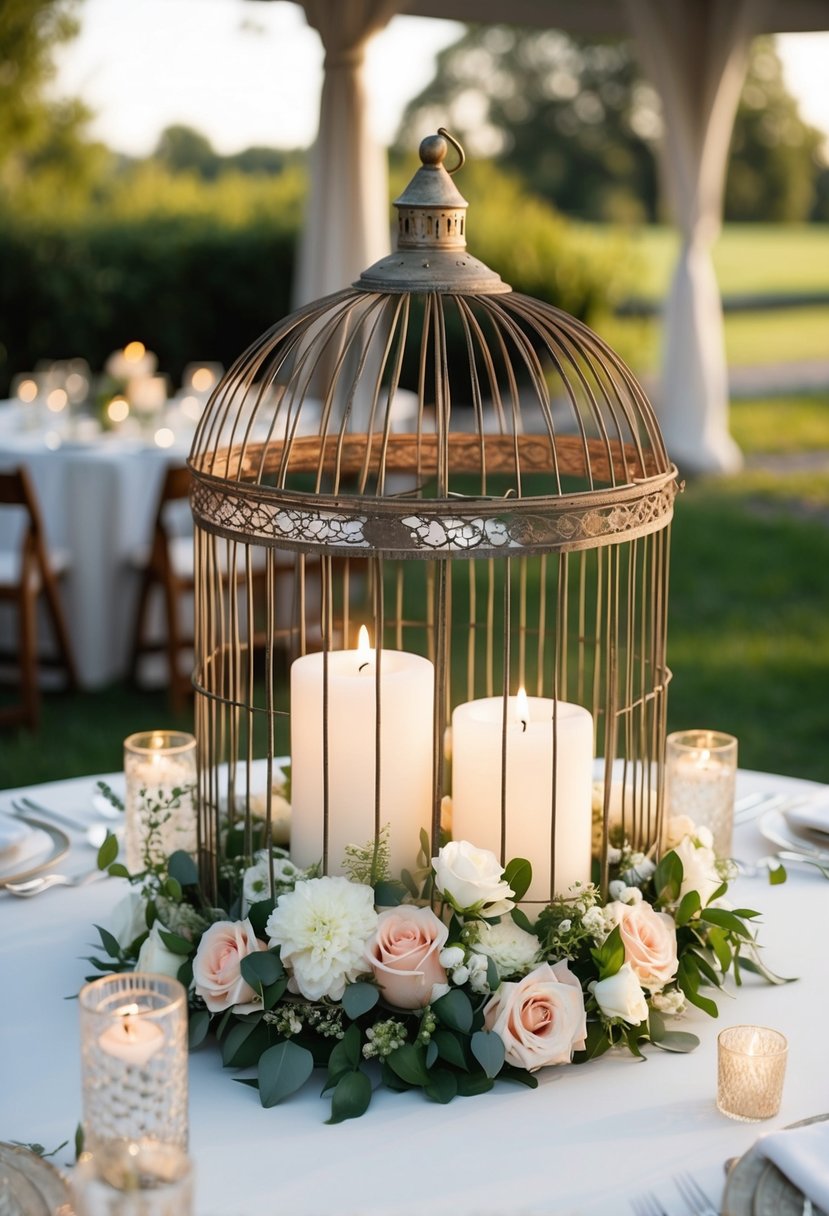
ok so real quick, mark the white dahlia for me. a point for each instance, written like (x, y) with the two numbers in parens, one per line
(322, 928)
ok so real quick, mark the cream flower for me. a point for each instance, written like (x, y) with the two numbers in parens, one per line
(541, 1019)
(649, 939)
(621, 996)
(322, 928)
(511, 948)
(471, 879)
(699, 869)
(154, 955)
(217, 967)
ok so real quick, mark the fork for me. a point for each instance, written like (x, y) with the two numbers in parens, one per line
(36, 886)
(25, 806)
(647, 1205)
(694, 1196)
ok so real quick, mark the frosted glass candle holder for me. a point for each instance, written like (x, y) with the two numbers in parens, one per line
(700, 776)
(160, 807)
(751, 1065)
(134, 1060)
(127, 1179)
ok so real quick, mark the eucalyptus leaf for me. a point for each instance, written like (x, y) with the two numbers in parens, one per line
(359, 998)
(725, 920)
(261, 968)
(351, 1097)
(454, 1010)
(182, 868)
(431, 1053)
(117, 870)
(197, 1027)
(667, 878)
(274, 993)
(510, 1073)
(519, 874)
(676, 1040)
(174, 943)
(450, 1048)
(523, 921)
(108, 851)
(283, 1070)
(389, 894)
(172, 889)
(345, 1056)
(109, 943)
(442, 1086)
(690, 905)
(244, 1044)
(488, 1050)
(259, 914)
(472, 1084)
(409, 1063)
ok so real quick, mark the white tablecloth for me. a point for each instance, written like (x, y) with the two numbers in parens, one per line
(98, 502)
(585, 1142)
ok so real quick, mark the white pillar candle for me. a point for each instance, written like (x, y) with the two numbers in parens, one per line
(157, 763)
(530, 772)
(131, 1038)
(406, 750)
(147, 394)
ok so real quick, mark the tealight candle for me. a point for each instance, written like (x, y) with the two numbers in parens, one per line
(700, 776)
(158, 820)
(134, 1060)
(133, 360)
(129, 1179)
(350, 730)
(131, 1038)
(751, 1066)
(549, 749)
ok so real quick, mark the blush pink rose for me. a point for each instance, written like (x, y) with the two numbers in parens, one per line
(403, 955)
(540, 1019)
(649, 938)
(217, 966)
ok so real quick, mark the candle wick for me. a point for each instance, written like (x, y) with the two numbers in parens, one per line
(362, 665)
(523, 724)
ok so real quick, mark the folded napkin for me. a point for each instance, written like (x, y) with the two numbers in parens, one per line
(813, 816)
(802, 1154)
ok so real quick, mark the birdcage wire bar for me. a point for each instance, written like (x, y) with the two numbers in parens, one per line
(478, 478)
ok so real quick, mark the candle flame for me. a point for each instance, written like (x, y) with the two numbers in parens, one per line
(522, 707)
(363, 649)
(703, 757)
(134, 351)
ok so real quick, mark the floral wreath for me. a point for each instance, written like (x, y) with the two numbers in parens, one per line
(439, 978)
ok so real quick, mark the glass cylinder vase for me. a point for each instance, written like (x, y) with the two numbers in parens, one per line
(128, 1179)
(160, 773)
(700, 778)
(134, 1060)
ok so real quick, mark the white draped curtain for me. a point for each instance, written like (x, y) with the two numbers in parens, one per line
(347, 215)
(696, 56)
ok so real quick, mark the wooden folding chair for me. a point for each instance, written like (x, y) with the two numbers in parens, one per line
(26, 573)
(170, 568)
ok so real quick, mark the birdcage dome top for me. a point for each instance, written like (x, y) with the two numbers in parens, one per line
(430, 409)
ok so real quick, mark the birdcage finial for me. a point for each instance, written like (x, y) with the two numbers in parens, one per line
(431, 234)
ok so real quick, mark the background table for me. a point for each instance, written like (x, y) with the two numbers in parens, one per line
(582, 1144)
(98, 500)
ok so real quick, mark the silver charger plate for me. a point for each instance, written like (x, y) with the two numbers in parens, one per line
(56, 847)
(30, 1186)
(755, 1187)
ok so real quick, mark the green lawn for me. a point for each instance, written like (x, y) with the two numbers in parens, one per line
(749, 259)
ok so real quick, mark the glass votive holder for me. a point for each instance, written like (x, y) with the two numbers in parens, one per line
(134, 1060)
(128, 1179)
(700, 776)
(160, 800)
(751, 1065)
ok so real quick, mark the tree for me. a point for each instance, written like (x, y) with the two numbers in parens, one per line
(182, 149)
(43, 143)
(580, 124)
(773, 169)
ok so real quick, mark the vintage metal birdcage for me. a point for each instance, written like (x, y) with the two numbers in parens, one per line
(477, 478)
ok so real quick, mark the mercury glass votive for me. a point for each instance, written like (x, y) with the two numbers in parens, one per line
(160, 810)
(751, 1065)
(134, 1060)
(128, 1179)
(700, 776)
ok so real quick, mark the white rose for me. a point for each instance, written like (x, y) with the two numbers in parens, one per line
(699, 870)
(511, 948)
(471, 879)
(678, 827)
(155, 957)
(621, 996)
(128, 919)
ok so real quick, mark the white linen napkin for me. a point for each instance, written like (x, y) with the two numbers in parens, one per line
(802, 1154)
(813, 816)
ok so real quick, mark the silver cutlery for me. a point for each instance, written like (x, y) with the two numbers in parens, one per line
(43, 882)
(94, 835)
(752, 869)
(799, 846)
(751, 806)
(647, 1205)
(27, 806)
(694, 1196)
